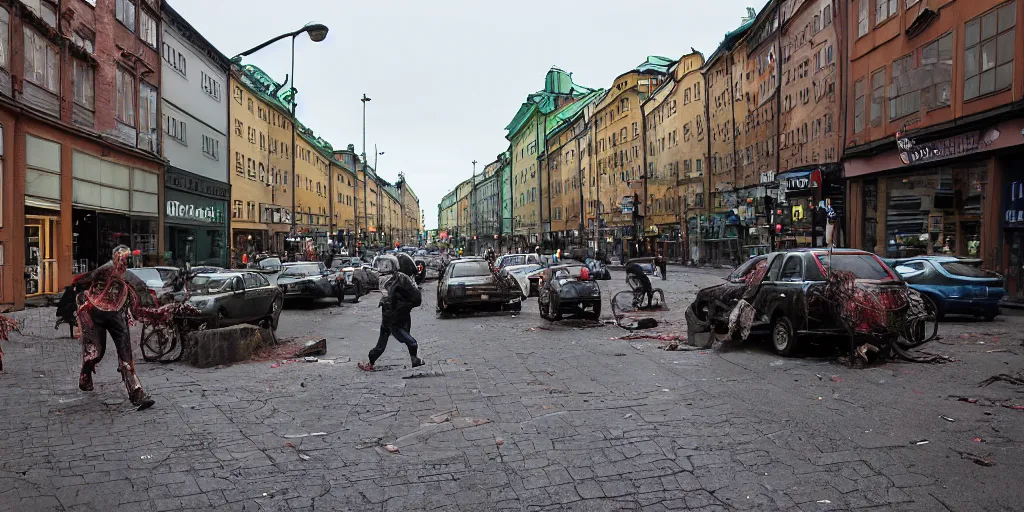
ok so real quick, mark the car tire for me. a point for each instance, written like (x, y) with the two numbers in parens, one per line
(543, 310)
(515, 307)
(218, 320)
(359, 291)
(597, 310)
(553, 312)
(275, 313)
(991, 316)
(784, 339)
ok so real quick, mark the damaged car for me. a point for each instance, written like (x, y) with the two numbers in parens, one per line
(564, 290)
(957, 286)
(470, 285)
(802, 294)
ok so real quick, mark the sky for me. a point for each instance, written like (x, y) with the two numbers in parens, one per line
(445, 77)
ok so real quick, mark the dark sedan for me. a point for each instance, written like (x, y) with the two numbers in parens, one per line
(230, 298)
(957, 286)
(469, 284)
(353, 277)
(306, 280)
(562, 291)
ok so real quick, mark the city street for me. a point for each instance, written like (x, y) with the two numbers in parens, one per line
(517, 413)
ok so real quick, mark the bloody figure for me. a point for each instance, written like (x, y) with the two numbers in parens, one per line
(400, 296)
(635, 270)
(111, 300)
(6, 326)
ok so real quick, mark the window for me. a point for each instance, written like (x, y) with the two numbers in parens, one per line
(42, 61)
(175, 129)
(862, 18)
(45, 9)
(624, 104)
(176, 60)
(877, 96)
(147, 116)
(125, 84)
(124, 10)
(84, 84)
(793, 270)
(147, 29)
(937, 60)
(826, 16)
(884, 9)
(211, 147)
(904, 99)
(858, 116)
(5, 38)
(210, 85)
(988, 54)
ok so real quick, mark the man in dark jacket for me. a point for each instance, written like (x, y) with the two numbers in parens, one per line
(400, 296)
(662, 264)
(635, 270)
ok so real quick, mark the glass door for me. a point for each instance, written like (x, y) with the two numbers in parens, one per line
(40, 255)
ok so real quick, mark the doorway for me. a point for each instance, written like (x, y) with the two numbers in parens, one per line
(40, 255)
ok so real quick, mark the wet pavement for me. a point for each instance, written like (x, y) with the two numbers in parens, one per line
(517, 413)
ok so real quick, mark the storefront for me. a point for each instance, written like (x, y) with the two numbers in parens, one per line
(1013, 226)
(195, 219)
(930, 197)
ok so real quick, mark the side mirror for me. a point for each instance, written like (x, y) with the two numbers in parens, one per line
(238, 292)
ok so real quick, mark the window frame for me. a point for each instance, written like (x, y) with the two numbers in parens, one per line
(120, 76)
(54, 52)
(121, 5)
(142, 16)
(979, 45)
(5, 43)
(892, 9)
(934, 86)
(882, 100)
(859, 110)
(863, 19)
(76, 66)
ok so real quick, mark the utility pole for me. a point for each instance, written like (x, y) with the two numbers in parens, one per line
(472, 210)
(366, 226)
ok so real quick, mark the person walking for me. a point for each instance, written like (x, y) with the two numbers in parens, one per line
(662, 266)
(400, 296)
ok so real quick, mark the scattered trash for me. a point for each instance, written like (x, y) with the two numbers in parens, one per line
(819, 398)
(919, 443)
(777, 362)
(303, 456)
(997, 350)
(627, 416)
(981, 461)
(145, 457)
(469, 422)
(968, 400)
(619, 354)
(665, 390)
(299, 436)
(312, 348)
(947, 418)
(499, 441)
(1012, 379)
(824, 501)
(369, 442)
(391, 448)
(311, 359)
(69, 400)
(818, 376)
(978, 440)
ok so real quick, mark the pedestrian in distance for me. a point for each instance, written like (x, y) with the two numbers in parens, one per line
(662, 266)
(400, 296)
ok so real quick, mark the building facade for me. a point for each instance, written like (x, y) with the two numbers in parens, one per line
(194, 105)
(313, 183)
(80, 165)
(934, 149)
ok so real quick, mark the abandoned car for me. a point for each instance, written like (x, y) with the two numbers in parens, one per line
(470, 285)
(957, 286)
(562, 290)
(794, 295)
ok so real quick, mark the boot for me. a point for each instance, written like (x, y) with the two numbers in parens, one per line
(136, 394)
(85, 378)
(415, 360)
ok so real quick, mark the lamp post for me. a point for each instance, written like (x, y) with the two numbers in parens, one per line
(472, 210)
(317, 33)
(366, 215)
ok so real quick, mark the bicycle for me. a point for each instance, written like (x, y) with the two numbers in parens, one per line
(168, 326)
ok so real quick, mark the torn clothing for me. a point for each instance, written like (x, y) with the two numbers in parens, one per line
(94, 345)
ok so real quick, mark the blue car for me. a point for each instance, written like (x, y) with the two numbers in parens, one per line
(957, 286)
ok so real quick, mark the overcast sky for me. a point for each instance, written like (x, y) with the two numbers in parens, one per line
(446, 76)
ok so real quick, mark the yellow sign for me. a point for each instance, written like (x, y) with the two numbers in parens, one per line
(798, 212)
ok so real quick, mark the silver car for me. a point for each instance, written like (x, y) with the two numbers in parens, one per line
(230, 298)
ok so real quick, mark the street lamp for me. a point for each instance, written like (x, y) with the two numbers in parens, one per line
(317, 33)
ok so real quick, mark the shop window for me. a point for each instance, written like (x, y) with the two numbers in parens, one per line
(989, 51)
(124, 11)
(42, 61)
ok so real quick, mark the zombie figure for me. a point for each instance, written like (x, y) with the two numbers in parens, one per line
(6, 326)
(635, 270)
(111, 300)
(399, 296)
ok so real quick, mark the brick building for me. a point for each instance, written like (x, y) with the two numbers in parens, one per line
(80, 165)
(935, 130)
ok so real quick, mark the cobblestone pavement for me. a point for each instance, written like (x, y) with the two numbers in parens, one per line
(514, 413)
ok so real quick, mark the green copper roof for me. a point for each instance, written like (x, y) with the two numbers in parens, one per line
(568, 114)
(655, 63)
(267, 88)
(556, 83)
(732, 37)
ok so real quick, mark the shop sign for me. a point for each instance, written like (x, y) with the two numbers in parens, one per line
(209, 214)
(767, 177)
(1013, 213)
(803, 181)
(964, 144)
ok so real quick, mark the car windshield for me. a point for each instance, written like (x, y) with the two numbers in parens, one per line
(270, 263)
(741, 272)
(209, 284)
(301, 270)
(152, 275)
(471, 269)
(863, 266)
(959, 268)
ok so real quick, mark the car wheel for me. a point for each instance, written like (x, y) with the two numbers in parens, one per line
(543, 310)
(783, 336)
(359, 292)
(218, 321)
(991, 316)
(515, 307)
(597, 310)
(553, 312)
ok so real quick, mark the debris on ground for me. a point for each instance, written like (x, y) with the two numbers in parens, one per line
(919, 443)
(300, 436)
(312, 348)
(499, 441)
(1017, 379)
(947, 418)
(391, 448)
(981, 461)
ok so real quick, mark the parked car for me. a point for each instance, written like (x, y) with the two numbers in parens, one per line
(306, 280)
(468, 284)
(957, 286)
(158, 280)
(562, 291)
(528, 277)
(648, 265)
(353, 277)
(267, 264)
(508, 260)
(597, 270)
(230, 298)
(421, 268)
(788, 301)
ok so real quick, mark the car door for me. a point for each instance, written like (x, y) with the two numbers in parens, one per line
(789, 291)
(766, 297)
(237, 305)
(256, 296)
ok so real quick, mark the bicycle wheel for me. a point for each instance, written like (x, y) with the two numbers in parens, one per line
(155, 344)
(176, 349)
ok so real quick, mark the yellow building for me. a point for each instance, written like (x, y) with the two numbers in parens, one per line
(618, 141)
(563, 164)
(412, 215)
(676, 147)
(259, 146)
(312, 190)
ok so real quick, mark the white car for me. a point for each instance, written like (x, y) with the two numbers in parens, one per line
(509, 260)
(527, 276)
